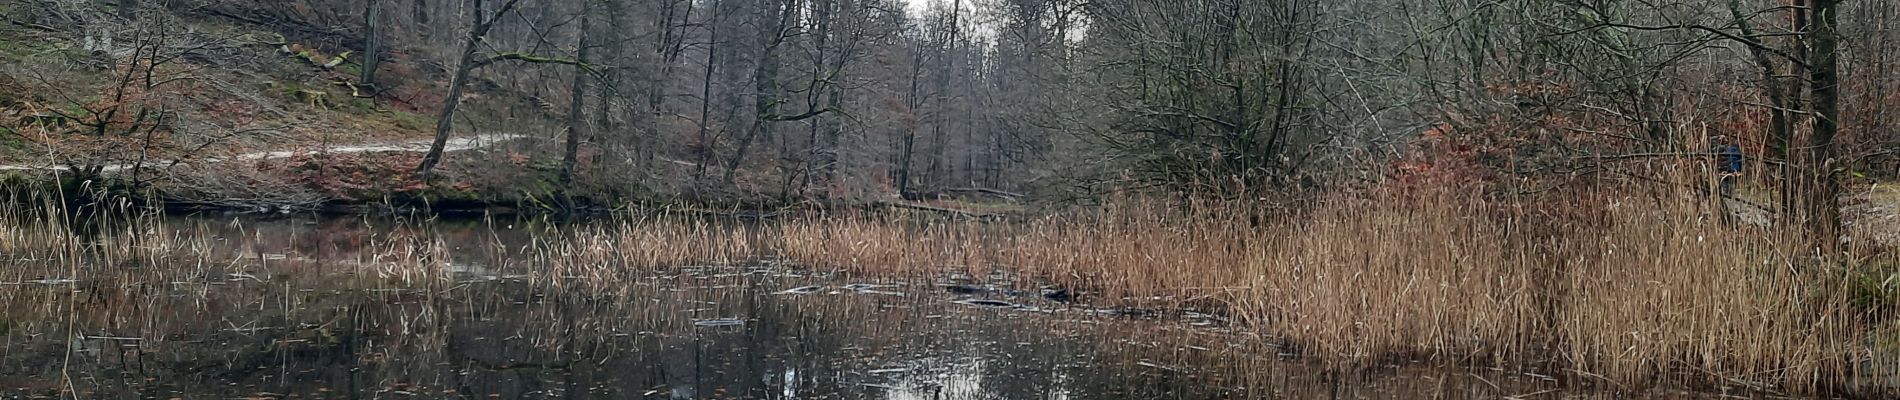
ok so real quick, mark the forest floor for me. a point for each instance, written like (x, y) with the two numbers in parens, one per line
(1870, 210)
(236, 93)
(1874, 212)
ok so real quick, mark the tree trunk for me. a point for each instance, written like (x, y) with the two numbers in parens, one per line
(668, 49)
(1824, 216)
(703, 139)
(129, 10)
(604, 111)
(914, 101)
(1781, 126)
(765, 80)
(830, 145)
(571, 155)
(948, 53)
(445, 120)
(372, 53)
(419, 15)
(1796, 183)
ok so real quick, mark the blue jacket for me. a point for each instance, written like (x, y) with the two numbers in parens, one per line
(1730, 157)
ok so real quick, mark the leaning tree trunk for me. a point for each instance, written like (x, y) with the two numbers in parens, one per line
(446, 119)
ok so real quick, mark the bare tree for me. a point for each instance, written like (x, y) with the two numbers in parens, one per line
(703, 140)
(780, 21)
(1824, 76)
(575, 120)
(482, 22)
(128, 9)
(372, 41)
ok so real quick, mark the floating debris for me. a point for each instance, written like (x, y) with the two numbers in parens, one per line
(1124, 312)
(1205, 316)
(1057, 295)
(988, 303)
(968, 289)
(802, 290)
(252, 329)
(1158, 366)
(719, 322)
(501, 278)
(1203, 319)
(866, 286)
(51, 281)
(112, 338)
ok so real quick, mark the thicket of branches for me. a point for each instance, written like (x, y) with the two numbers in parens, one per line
(864, 99)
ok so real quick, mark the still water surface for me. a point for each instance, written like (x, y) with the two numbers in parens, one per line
(308, 308)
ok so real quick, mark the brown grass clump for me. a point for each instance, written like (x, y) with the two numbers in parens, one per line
(864, 243)
(1139, 249)
(1659, 294)
(603, 257)
(1397, 275)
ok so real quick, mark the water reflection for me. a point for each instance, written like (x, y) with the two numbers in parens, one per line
(310, 309)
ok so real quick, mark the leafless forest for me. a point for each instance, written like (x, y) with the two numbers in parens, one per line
(1062, 99)
(1609, 197)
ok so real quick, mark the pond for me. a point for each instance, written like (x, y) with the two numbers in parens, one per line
(312, 307)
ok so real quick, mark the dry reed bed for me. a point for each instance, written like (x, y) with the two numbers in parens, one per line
(1628, 292)
(1662, 294)
(1366, 279)
(1624, 291)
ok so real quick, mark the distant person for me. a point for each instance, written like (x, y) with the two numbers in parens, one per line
(1729, 161)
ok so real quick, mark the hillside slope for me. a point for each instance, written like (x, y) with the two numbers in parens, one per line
(167, 106)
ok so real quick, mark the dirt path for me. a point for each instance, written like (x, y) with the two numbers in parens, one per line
(414, 146)
(1871, 211)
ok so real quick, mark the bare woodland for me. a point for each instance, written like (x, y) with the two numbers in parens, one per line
(1066, 99)
(1612, 195)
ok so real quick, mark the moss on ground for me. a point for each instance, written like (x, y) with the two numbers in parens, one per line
(412, 121)
(350, 69)
(358, 105)
(11, 142)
